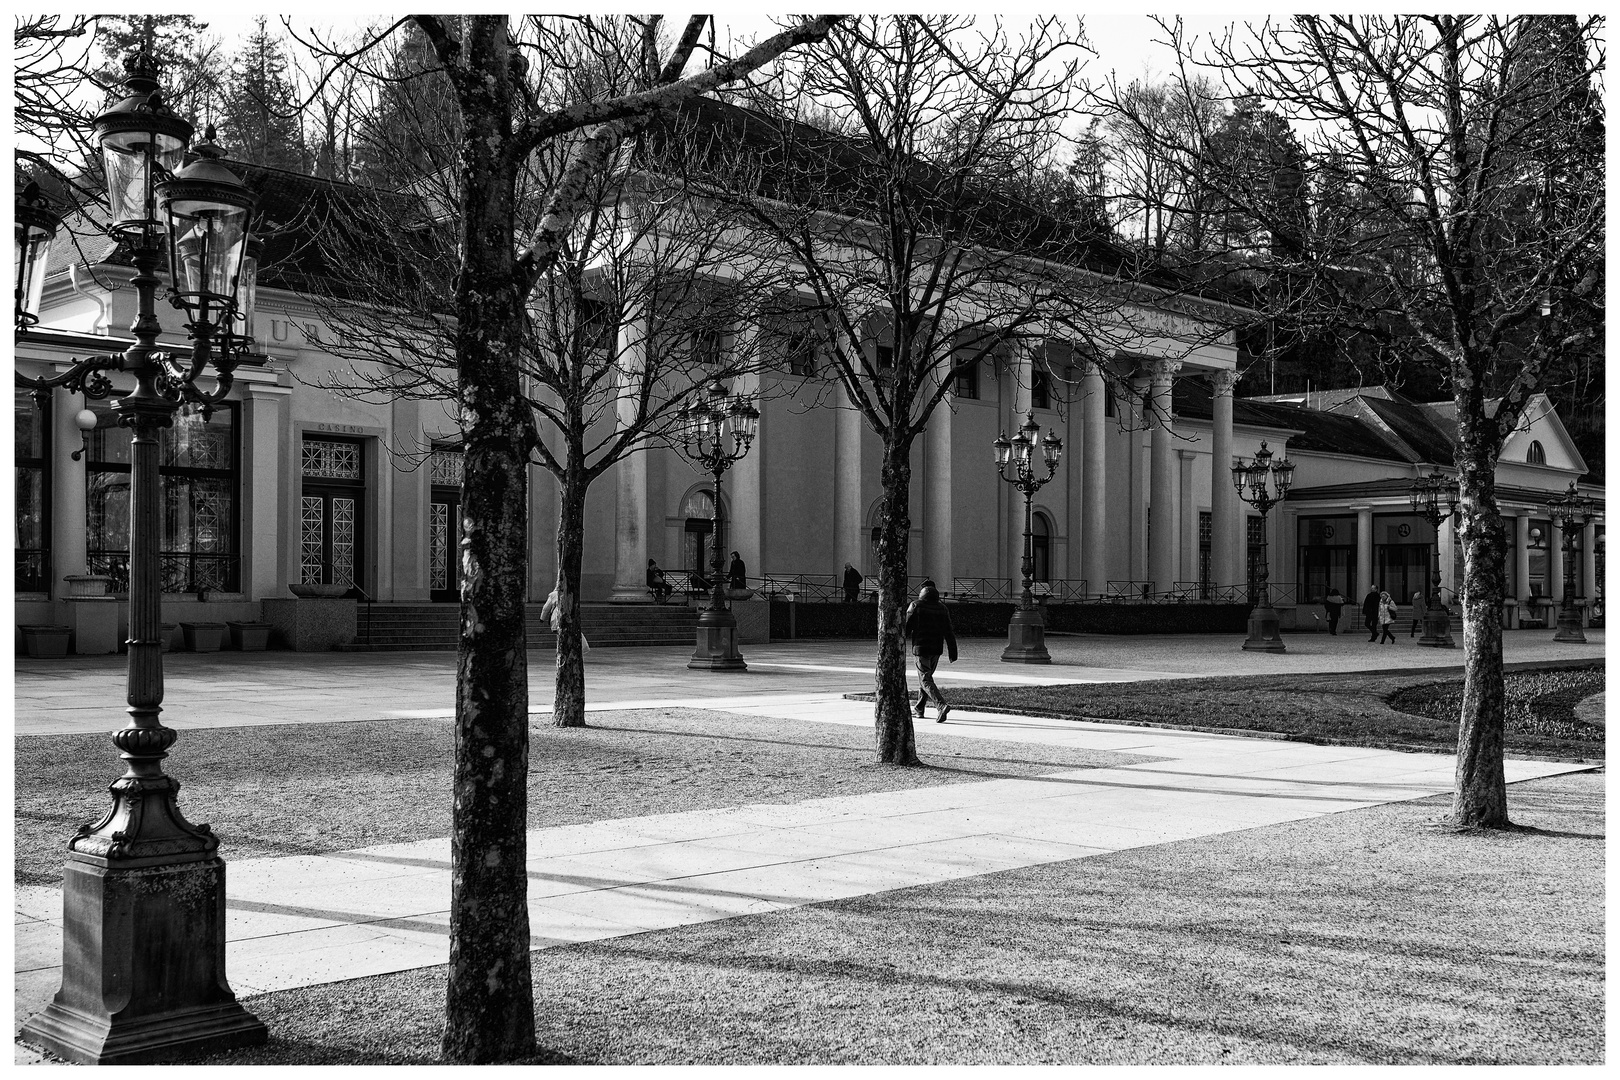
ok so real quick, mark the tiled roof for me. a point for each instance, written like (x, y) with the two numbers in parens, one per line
(1416, 426)
(1327, 432)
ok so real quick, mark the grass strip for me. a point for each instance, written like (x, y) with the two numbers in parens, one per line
(312, 788)
(1369, 936)
(1352, 709)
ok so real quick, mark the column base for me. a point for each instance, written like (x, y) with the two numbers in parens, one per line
(1264, 632)
(1437, 628)
(1026, 639)
(143, 976)
(1569, 625)
(717, 643)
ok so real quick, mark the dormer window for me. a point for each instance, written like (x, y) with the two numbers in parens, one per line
(1537, 454)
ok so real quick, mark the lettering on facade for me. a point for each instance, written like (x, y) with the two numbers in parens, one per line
(345, 429)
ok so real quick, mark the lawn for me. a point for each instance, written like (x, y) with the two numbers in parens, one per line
(1403, 711)
(304, 789)
(1369, 936)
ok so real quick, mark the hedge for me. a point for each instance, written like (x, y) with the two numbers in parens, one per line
(789, 620)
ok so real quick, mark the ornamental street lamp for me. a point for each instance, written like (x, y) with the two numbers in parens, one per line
(710, 425)
(1434, 498)
(1026, 633)
(1251, 481)
(36, 226)
(143, 973)
(1571, 512)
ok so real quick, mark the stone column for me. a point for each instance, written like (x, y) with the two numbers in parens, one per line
(1138, 475)
(1521, 564)
(264, 427)
(1447, 546)
(630, 476)
(1555, 563)
(1587, 575)
(68, 505)
(1226, 559)
(849, 504)
(1364, 552)
(1023, 376)
(1162, 533)
(1094, 480)
(1187, 511)
(938, 553)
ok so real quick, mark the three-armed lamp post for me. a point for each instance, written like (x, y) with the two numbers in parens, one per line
(1571, 512)
(1434, 498)
(718, 432)
(143, 897)
(1026, 633)
(1263, 483)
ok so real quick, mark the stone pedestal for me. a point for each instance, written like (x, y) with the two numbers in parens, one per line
(1265, 631)
(1026, 638)
(717, 643)
(311, 625)
(1437, 627)
(94, 622)
(144, 979)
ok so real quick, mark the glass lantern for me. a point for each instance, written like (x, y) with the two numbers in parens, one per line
(1051, 449)
(142, 141)
(207, 209)
(36, 226)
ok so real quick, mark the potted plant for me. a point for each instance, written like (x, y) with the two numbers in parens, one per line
(203, 636)
(46, 642)
(249, 636)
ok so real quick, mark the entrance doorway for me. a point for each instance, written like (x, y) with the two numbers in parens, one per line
(444, 524)
(331, 512)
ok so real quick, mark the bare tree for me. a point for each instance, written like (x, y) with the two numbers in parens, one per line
(1467, 154)
(899, 211)
(504, 85)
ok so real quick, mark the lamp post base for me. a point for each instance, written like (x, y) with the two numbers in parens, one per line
(717, 643)
(1264, 632)
(1569, 625)
(1026, 639)
(1437, 628)
(144, 977)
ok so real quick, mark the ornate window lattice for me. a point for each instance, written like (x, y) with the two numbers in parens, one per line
(439, 545)
(444, 468)
(343, 541)
(313, 530)
(331, 460)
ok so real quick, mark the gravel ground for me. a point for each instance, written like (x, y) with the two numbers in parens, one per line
(1539, 703)
(311, 788)
(1370, 936)
(1353, 708)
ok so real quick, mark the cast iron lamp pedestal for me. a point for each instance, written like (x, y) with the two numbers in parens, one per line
(1427, 495)
(143, 897)
(1026, 632)
(707, 426)
(1264, 632)
(1570, 512)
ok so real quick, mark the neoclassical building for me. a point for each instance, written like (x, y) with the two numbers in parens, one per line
(290, 483)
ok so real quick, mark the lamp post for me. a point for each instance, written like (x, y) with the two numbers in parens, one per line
(709, 426)
(143, 897)
(36, 226)
(1434, 498)
(1263, 483)
(1570, 512)
(1026, 633)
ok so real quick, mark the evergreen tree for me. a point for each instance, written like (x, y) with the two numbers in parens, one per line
(259, 115)
(189, 63)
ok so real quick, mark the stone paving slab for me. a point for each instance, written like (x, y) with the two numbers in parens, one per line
(309, 919)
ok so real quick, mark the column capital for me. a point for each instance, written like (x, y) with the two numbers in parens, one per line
(1222, 382)
(1162, 371)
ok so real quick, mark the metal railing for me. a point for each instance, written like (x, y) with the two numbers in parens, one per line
(178, 572)
(828, 588)
(33, 571)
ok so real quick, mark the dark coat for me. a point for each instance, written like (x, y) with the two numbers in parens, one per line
(928, 626)
(1334, 603)
(852, 578)
(1369, 608)
(738, 574)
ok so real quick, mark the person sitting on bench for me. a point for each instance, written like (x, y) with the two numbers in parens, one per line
(656, 583)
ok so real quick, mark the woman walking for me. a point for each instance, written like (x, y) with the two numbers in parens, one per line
(1386, 618)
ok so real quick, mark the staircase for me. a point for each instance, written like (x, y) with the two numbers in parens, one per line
(436, 627)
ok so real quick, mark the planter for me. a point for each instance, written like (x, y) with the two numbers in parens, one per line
(319, 592)
(45, 642)
(203, 636)
(81, 585)
(250, 636)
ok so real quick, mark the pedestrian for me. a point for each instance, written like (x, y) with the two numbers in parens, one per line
(852, 584)
(552, 610)
(1369, 614)
(1386, 618)
(657, 584)
(1334, 602)
(928, 628)
(1419, 608)
(738, 573)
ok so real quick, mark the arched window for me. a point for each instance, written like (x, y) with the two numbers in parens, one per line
(1536, 455)
(697, 540)
(1040, 543)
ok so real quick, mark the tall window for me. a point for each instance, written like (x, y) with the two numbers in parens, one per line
(1541, 535)
(967, 381)
(885, 361)
(33, 529)
(1327, 557)
(801, 355)
(697, 542)
(199, 476)
(1536, 455)
(1206, 532)
(1040, 390)
(1040, 545)
(1257, 546)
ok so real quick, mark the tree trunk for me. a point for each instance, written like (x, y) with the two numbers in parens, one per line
(1480, 800)
(489, 1002)
(896, 737)
(569, 707)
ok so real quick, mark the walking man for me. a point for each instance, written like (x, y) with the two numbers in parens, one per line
(1334, 602)
(928, 628)
(852, 584)
(1369, 613)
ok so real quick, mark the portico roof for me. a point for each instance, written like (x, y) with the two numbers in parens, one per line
(1397, 487)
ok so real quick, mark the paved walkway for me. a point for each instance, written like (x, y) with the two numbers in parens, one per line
(312, 919)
